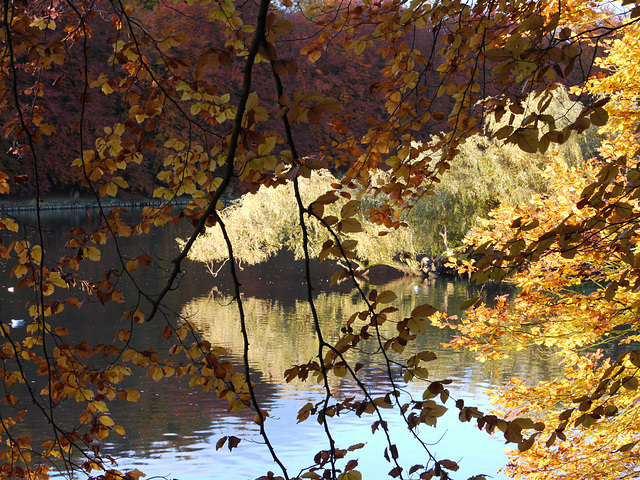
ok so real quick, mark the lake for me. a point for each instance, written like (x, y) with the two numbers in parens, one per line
(173, 430)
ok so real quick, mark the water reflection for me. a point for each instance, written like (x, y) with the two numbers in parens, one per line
(282, 336)
(273, 324)
(173, 430)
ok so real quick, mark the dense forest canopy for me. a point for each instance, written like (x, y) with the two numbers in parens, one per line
(202, 101)
(353, 80)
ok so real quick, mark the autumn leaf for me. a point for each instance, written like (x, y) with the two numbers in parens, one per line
(425, 310)
(387, 296)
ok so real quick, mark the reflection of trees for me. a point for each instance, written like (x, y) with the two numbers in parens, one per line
(282, 335)
(166, 418)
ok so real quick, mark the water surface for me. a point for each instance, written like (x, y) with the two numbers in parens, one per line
(173, 431)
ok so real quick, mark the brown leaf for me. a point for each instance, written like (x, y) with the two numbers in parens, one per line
(449, 465)
(513, 433)
(424, 310)
(396, 472)
(233, 442)
(220, 443)
(528, 443)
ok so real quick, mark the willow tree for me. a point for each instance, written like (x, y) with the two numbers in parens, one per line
(487, 172)
(263, 224)
(189, 108)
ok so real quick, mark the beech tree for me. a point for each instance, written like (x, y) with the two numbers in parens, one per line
(573, 254)
(190, 107)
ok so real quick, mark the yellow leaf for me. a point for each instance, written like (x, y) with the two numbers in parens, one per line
(386, 297)
(47, 289)
(132, 395)
(267, 147)
(119, 181)
(138, 316)
(56, 279)
(92, 253)
(111, 189)
(107, 421)
(117, 296)
(85, 395)
(36, 254)
(132, 265)
(128, 355)
(106, 89)
(157, 374)
(47, 130)
(315, 56)
(11, 224)
(98, 405)
(20, 270)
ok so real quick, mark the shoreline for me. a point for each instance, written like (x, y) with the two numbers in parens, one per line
(84, 205)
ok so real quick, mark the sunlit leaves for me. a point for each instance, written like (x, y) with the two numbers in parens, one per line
(4, 185)
(583, 252)
(130, 395)
(181, 113)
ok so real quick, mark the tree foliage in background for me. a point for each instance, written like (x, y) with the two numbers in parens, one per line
(264, 223)
(487, 172)
(188, 108)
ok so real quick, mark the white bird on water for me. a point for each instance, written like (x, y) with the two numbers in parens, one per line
(11, 289)
(17, 322)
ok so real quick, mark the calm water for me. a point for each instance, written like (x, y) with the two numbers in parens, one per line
(173, 430)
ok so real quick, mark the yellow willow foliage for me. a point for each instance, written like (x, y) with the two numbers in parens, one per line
(262, 224)
(266, 221)
(488, 171)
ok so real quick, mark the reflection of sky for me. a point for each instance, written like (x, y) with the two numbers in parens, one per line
(297, 444)
(193, 455)
(174, 429)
